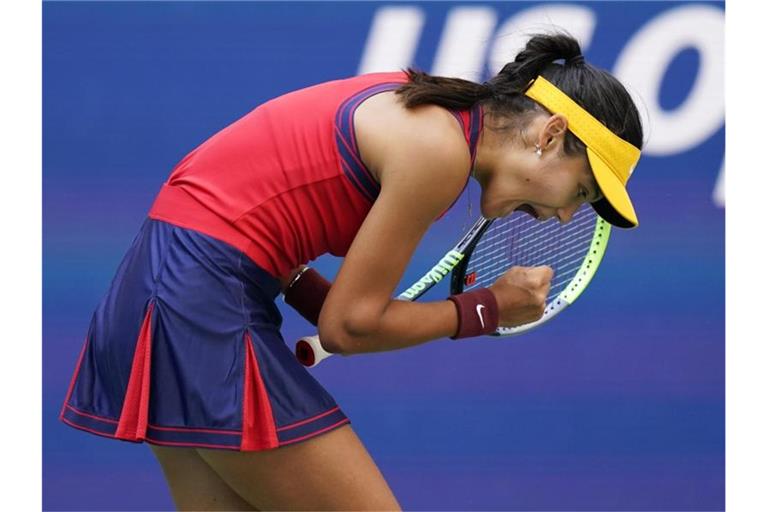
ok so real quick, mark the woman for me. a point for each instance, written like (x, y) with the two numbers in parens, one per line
(185, 353)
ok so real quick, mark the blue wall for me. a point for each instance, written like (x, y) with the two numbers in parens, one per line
(617, 405)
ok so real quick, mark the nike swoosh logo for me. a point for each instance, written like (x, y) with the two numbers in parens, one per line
(479, 310)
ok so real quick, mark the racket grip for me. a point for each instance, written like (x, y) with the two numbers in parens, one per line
(310, 352)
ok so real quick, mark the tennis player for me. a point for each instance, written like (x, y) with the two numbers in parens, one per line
(185, 350)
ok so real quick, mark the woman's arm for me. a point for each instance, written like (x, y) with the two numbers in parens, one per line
(422, 163)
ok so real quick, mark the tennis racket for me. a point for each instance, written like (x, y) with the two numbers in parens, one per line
(492, 246)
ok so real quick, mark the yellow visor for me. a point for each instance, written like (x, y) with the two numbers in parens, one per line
(612, 158)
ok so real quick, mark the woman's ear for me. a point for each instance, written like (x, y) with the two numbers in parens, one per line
(554, 130)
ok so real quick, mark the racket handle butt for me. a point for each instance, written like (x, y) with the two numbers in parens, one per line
(310, 352)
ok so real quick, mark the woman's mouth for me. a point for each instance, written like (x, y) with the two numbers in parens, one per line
(530, 210)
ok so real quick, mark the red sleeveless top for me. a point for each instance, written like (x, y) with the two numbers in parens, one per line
(285, 183)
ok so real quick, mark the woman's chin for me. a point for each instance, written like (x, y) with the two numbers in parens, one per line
(489, 213)
(491, 209)
(497, 211)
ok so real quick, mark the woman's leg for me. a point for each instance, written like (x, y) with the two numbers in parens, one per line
(332, 471)
(194, 485)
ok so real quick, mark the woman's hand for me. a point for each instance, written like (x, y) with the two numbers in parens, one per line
(521, 294)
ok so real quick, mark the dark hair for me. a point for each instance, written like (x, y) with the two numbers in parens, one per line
(556, 57)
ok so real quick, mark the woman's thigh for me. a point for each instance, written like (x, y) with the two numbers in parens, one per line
(194, 484)
(332, 471)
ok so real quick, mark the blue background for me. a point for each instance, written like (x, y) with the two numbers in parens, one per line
(618, 405)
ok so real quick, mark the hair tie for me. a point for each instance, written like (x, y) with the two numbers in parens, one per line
(488, 90)
(576, 60)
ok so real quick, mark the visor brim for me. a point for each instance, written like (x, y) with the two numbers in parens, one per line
(615, 206)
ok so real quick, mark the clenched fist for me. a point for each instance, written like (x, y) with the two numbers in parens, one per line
(521, 293)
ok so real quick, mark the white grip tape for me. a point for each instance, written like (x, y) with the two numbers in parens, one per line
(310, 352)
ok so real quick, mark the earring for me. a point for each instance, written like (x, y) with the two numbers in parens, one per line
(538, 150)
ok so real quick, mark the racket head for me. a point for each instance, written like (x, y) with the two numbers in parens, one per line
(574, 251)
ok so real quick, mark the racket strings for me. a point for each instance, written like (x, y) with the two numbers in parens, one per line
(520, 240)
(497, 238)
(539, 248)
(532, 250)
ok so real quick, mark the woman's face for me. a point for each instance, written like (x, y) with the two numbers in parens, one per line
(514, 177)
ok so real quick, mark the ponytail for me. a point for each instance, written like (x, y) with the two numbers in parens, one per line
(539, 57)
(451, 93)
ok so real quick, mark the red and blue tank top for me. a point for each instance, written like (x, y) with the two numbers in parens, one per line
(285, 184)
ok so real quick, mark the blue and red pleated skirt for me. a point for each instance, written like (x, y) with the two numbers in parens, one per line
(185, 350)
